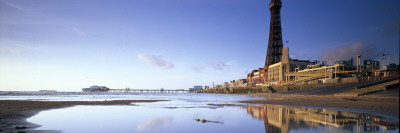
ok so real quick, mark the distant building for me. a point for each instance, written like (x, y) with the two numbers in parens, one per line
(225, 84)
(206, 87)
(387, 72)
(369, 67)
(346, 62)
(241, 82)
(232, 83)
(48, 90)
(95, 88)
(257, 76)
(196, 89)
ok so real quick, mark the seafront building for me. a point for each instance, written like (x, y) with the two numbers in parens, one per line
(278, 72)
(389, 70)
(196, 89)
(280, 68)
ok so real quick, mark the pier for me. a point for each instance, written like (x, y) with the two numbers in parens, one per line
(150, 90)
(143, 90)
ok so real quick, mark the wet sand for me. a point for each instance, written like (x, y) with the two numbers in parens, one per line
(13, 113)
(381, 103)
(385, 103)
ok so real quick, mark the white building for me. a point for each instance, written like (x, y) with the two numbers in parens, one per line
(96, 88)
(196, 89)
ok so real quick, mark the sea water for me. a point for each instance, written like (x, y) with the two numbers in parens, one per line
(196, 113)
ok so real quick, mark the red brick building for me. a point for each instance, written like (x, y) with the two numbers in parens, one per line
(257, 76)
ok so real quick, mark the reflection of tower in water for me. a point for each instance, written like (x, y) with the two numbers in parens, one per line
(279, 119)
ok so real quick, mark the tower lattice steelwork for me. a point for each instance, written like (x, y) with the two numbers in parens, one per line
(275, 44)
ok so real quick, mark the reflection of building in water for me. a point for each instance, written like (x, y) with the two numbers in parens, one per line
(275, 119)
(278, 119)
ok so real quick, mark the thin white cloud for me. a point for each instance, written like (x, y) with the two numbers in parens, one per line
(9, 50)
(18, 46)
(155, 60)
(219, 66)
(196, 69)
(80, 32)
(15, 6)
(154, 124)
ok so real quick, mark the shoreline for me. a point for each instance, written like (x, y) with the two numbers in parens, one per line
(14, 113)
(377, 105)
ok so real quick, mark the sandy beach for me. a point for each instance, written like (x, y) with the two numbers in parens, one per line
(13, 113)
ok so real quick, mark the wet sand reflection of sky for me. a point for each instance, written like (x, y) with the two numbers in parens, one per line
(155, 117)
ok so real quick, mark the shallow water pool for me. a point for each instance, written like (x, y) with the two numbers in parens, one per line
(200, 116)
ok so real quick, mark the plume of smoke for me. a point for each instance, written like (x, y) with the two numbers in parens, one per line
(296, 55)
(346, 52)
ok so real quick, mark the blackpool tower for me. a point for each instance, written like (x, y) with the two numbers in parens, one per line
(274, 51)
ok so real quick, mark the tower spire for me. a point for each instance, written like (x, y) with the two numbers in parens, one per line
(274, 51)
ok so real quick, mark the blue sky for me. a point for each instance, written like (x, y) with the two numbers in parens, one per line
(175, 44)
